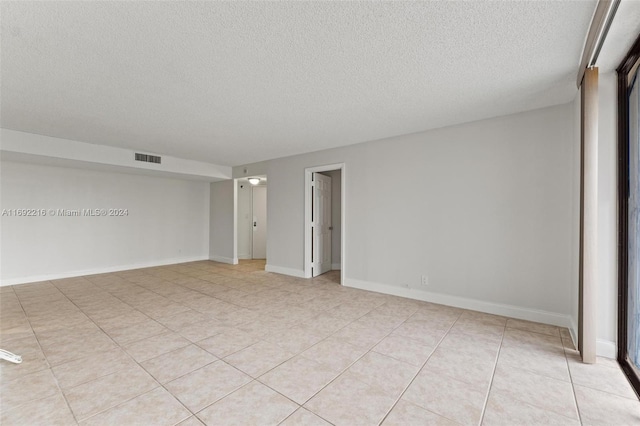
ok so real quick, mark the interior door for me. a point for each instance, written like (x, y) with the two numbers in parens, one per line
(259, 222)
(321, 224)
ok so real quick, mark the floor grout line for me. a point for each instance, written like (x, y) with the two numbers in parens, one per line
(117, 371)
(495, 366)
(45, 355)
(420, 370)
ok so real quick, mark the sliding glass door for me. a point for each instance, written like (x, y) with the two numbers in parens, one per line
(629, 184)
(633, 237)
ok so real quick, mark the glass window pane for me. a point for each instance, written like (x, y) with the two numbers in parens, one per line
(633, 308)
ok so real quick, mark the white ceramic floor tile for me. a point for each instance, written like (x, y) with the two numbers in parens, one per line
(404, 413)
(235, 342)
(252, 404)
(505, 410)
(348, 401)
(298, 378)
(602, 408)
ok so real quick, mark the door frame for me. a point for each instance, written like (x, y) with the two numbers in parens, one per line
(308, 171)
(237, 182)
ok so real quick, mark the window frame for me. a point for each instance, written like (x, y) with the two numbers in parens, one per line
(628, 67)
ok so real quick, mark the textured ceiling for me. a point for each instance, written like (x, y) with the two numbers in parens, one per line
(623, 32)
(237, 82)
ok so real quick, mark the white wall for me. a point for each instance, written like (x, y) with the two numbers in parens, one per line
(167, 222)
(222, 224)
(607, 215)
(245, 230)
(484, 209)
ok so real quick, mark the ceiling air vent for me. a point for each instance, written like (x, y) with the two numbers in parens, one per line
(148, 158)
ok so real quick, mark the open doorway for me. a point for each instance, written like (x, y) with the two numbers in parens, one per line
(252, 218)
(324, 221)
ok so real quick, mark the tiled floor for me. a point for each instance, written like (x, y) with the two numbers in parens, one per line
(218, 344)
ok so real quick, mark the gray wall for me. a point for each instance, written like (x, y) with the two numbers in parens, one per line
(222, 241)
(167, 221)
(484, 209)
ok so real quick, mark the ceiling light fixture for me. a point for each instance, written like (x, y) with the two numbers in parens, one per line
(254, 181)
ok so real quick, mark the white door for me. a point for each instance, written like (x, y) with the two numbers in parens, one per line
(259, 222)
(321, 224)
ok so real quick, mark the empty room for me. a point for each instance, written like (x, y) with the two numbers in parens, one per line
(320, 213)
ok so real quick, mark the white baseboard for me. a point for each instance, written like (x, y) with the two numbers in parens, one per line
(222, 259)
(285, 271)
(606, 349)
(336, 266)
(94, 271)
(511, 311)
(244, 256)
